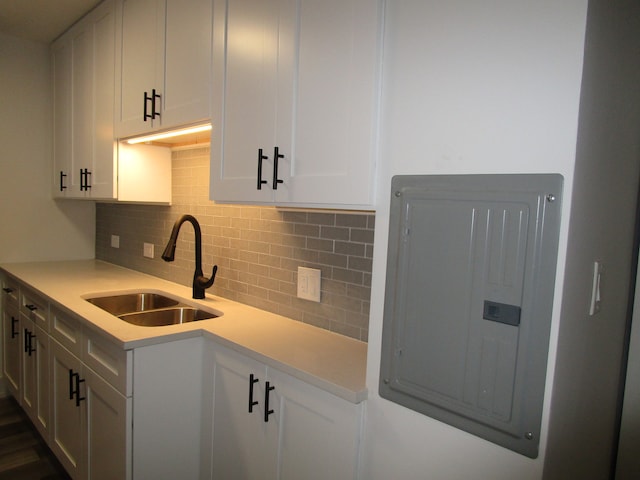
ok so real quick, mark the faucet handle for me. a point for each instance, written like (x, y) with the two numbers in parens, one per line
(207, 282)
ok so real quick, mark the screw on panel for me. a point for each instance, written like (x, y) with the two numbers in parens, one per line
(528, 435)
(398, 193)
(551, 198)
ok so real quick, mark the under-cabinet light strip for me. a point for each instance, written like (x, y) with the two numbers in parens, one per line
(172, 133)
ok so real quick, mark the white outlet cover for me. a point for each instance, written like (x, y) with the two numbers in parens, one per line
(309, 283)
(115, 241)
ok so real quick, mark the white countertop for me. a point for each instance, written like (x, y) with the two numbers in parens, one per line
(328, 360)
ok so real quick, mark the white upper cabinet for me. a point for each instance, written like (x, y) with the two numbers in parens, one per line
(296, 92)
(163, 69)
(83, 93)
(88, 162)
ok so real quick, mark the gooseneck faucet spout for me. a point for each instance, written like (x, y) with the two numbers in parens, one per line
(200, 282)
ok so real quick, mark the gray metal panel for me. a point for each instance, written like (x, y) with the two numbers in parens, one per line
(457, 244)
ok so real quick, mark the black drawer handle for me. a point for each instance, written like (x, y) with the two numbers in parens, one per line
(31, 307)
(7, 290)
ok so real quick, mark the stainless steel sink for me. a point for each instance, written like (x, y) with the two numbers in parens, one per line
(132, 302)
(150, 309)
(167, 316)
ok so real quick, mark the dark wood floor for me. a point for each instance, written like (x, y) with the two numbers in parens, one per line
(23, 453)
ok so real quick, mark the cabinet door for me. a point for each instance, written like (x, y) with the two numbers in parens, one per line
(241, 445)
(102, 165)
(283, 79)
(62, 87)
(245, 83)
(140, 63)
(330, 102)
(187, 63)
(108, 430)
(166, 47)
(319, 433)
(84, 66)
(35, 378)
(42, 410)
(11, 351)
(67, 418)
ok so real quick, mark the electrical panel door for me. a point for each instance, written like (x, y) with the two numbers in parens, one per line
(469, 292)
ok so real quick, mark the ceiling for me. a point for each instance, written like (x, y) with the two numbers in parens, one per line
(41, 20)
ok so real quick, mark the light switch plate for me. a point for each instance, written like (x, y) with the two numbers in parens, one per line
(115, 241)
(594, 305)
(309, 283)
(148, 250)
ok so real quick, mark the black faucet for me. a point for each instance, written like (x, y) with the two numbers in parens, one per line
(200, 282)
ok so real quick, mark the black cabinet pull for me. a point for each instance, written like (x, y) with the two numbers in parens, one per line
(78, 382)
(150, 98)
(154, 113)
(7, 290)
(252, 403)
(84, 180)
(63, 175)
(31, 307)
(276, 156)
(267, 412)
(261, 157)
(145, 114)
(71, 389)
(74, 386)
(28, 342)
(14, 332)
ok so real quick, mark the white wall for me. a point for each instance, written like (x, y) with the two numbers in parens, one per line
(34, 227)
(584, 410)
(469, 87)
(628, 467)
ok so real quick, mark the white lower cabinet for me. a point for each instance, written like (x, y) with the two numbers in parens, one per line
(35, 374)
(11, 353)
(202, 410)
(90, 427)
(167, 425)
(270, 425)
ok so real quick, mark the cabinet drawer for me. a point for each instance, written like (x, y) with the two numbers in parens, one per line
(10, 292)
(35, 308)
(109, 361)
(67, 331)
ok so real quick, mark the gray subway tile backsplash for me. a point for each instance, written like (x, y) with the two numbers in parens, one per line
(257, 249)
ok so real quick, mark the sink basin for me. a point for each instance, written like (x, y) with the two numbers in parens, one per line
(132, 302)
(167, 316)
(149, 309)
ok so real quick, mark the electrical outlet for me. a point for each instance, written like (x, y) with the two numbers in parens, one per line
(148, 250)
(309, 280)
(115, 241)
